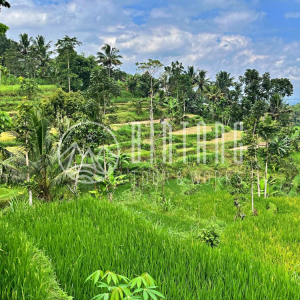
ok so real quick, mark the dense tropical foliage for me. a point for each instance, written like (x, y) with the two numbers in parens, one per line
(194, 179)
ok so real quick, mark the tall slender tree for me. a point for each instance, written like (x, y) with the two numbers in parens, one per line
(213, 94)
(109, 57)
(267, 131)
(65, 48)
(25, 129)
(41, 49)
(25, 47)
(25, 43)
(201, 81)
(224, 81)
(151, 67)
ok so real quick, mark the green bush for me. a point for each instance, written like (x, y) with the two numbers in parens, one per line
(211, 234)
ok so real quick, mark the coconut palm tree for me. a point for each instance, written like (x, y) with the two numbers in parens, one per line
(278, 109)
(213, 94)
(25, 47)
(41, 49)
(191, 73)
(25, 43)
(224, 81)
(201, 81)
(109, 57)
(4, 3)
(39, 159)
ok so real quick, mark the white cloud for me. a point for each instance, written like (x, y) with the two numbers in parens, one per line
(159, 13)
(248, 57)
(292, 15)
(293, 73)
(133, 12)
(177, 31)
(32, 18)
(237, 20)
(234, 42)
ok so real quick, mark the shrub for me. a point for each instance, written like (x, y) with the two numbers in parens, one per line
(271, 207)
(211, 234)
(119, 287)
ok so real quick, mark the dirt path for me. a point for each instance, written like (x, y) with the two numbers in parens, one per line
(136, 122)
(260, 145)
(148, 121)
(227, 137)
(192, 130)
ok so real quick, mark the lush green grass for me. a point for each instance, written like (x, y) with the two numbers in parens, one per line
(273, 238)
(84, 235)
(130, 116)
(26, 273)
(258, 258)
(13, 90)
(6, 194)
(10, 97)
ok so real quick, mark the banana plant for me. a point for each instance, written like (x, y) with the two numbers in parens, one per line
(172, 106)
(4, 71)
(123, 161)
(108, 184)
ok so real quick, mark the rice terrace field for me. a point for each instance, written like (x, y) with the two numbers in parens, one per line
(125, 177)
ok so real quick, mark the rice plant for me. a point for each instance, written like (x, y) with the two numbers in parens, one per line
(88, 234)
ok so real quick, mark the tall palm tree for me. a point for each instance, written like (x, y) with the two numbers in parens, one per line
(109, 57)
(191, 73)
(213, 94)
(25, 43)
(42, 49)
(201, 81)
(278, 109)
(25, 47)
(4, 3)
(224, 81)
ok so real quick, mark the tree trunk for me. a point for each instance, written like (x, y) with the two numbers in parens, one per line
(28, 178)
(78, 175)
(266, 172)
(151, 124)
(28, 174)
(69, 78)
(252, 192)
(104, 162)
(256, 161)
(104, 106)
(257, 176)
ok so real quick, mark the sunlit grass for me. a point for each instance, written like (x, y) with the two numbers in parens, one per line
(84, 235)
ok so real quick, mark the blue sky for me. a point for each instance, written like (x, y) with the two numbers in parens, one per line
(214, 35)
